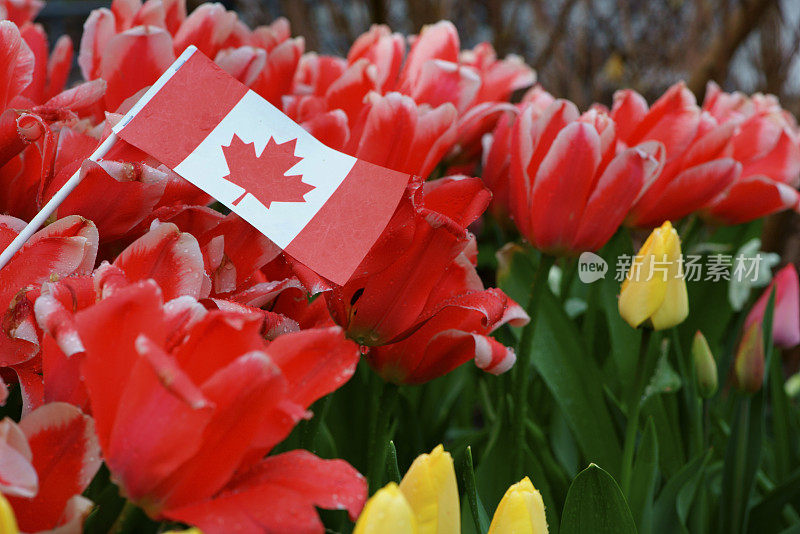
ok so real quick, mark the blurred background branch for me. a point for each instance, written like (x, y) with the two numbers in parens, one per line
(583, 50)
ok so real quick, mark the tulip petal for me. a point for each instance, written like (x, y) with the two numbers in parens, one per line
(689, 191)
(115, 195)
(17, 63)
(753, 197)
(435, 41)
(98, 30)
(157, 399)
(562, 186)
(786, 315)
(17, 475)
(387, 512)
(644, 288)
(461, 198)
(348, 91)
(430, 488)
(293, 483)
(168, 256)
(615, 191)
(315, 362)
(134, 59)
(251, 381)
(66, 457)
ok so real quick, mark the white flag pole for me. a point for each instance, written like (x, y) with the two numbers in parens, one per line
(53, 203)
(101, 151)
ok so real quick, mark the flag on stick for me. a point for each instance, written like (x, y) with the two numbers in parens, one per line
(324, 208)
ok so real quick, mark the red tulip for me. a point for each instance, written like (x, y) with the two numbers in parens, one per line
(397, 133)
(383, 49)
(499, 78)
(20, 11)
(456, 333)
(786, 315)
(568, 187)
(766, 144)
(167, 389)
(497, 150)
(419, 280)
(46, 462)
(474, 81)
(152, 34)
(175, 260)
(66, 247)
(698, 166)
(210, 28)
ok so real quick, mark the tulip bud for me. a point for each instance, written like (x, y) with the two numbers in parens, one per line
(387, 512)
(654, 291)
(431, 490)
(748, 366)
(705, 367)
(521, 511)
(8, 523)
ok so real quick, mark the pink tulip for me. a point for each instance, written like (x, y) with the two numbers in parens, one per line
(786, 317)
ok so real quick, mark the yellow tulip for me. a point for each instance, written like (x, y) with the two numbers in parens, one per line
(431, 490)
(193, 530)
(8, 523)
(654, 290)
(521, 511)
(387, 512)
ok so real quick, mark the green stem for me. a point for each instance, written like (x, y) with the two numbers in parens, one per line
(524, 360)
(590, 317)
(125, 516)
(567, 276)
(741, 438)
(634, 407)
(379, 444)
(694, 404)
(694, 414)
(312, 427)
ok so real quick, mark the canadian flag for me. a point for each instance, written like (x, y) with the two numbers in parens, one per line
(324, 208)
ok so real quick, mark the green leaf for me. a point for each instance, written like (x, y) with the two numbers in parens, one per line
(784, 445)
(595, 505)
(624, 339)
(479, 517)
(391, 464)
(666, 516)
(644, 479)
(671, 455)
(766, 515)
(664, 379)
(575, 383)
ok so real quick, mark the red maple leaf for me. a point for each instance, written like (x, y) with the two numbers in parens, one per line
(263, 176)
